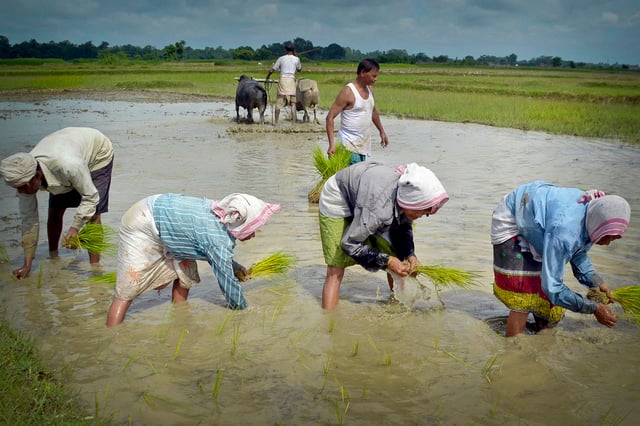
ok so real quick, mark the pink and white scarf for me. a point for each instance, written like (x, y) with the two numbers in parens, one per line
(607, 215)
(243, 214)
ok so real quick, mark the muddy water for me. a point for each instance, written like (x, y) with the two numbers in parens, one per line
(284, 360)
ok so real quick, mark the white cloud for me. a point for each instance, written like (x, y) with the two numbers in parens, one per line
(610, 18)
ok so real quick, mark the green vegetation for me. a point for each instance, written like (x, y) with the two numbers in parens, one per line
(32, 395)
(580, 102)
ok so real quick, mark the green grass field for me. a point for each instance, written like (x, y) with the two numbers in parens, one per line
(590, 103)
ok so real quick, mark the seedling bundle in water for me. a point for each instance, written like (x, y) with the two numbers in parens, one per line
(443, 276)
(108, 278)
(327, 167)
(95, 238)
(278, 263)
(627, 297)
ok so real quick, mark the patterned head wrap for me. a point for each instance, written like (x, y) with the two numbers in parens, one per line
(243, 214)
(607, 215)
(18, 169)
(420, 189)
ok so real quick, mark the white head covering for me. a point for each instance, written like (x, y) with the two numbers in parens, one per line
(18, 169)
(243, 214)
(420, 189)
(607, 215)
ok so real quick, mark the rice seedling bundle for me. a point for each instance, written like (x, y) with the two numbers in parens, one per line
(629, 299)
(277, 263)
(327, 167)
(443, 276)
(95, 238)
(108, 278)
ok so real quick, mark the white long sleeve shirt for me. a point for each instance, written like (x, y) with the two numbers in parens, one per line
(67, 157)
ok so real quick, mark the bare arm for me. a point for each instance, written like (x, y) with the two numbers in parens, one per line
(375, 117)
(344, 100)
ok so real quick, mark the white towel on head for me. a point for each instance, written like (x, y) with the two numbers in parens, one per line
(18, 169)
(420, 189)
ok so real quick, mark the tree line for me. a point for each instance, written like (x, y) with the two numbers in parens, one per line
(179, 51)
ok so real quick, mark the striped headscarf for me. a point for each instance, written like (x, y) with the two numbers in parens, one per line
(420, 189)
(607, 215)
(243, 214)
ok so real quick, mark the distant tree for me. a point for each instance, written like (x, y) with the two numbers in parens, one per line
(556, 61)
(441, 59)
(150, 53)
(5, 47)
(468, 60)
(263, 53)
(302, 45)
(180, 49)
(352, 55)
(395, 56)
(244, 52)
(512, 59)
(169, 52)
(87, 50)
(333, 51)
(422, 58)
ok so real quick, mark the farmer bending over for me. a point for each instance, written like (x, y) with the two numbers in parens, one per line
(366, 216)
(535, 231)
(74, 165)
(162, 236)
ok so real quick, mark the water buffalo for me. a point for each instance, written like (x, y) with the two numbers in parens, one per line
(249, 95)
(307, 96)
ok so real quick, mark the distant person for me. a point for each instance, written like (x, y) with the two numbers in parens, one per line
(162, 236)
(357, 110)
(287, 64)
(74, 165)
(535, 231)
(366, 216)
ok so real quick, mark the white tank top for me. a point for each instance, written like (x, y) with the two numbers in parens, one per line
(355, 123)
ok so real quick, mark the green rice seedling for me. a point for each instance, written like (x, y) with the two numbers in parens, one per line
(153, 367)
(95, 238)
(629, 298)
(332, 325)
(610, 419)
(327, 167)
(107, 278)
(179, 344)
(487, 367)
(234, 339)
(40, 269)
(443, 276)
(326, 366)
(387, 359)
(224, 323)
(4, 257)
(278, 263)
(151, 399)
(216, 387)
(356, 348)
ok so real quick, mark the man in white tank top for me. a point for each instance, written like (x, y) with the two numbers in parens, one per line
(357, 110)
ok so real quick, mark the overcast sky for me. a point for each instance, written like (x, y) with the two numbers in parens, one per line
(580, 30)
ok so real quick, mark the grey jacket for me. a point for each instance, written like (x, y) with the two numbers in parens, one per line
(370, 190)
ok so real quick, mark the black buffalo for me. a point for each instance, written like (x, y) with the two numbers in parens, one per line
(249, 95)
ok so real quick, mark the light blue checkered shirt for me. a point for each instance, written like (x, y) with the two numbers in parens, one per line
(190, 230)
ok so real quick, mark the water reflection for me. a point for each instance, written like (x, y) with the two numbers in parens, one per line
(284, 360)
